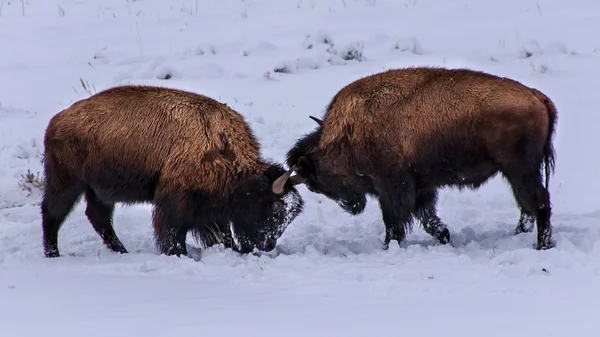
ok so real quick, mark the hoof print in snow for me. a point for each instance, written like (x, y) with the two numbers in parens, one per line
(532, 50)
(320, 37)
(284, 67)
(164, 73)
(267, 76)
(205, 49)
(101, 56)
(557, 47)
(529, 49)
(166, 76)
(524, 53)
(289, 67)
(410, 45)
(352, 51)
(539, 67)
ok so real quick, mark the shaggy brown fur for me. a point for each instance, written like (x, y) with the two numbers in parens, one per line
(403, 133)
(194, 158)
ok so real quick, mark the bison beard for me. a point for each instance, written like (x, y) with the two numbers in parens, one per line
(193, 158)
(402, 134)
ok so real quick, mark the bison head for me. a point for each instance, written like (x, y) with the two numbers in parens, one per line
(263, 208)
(327, 173)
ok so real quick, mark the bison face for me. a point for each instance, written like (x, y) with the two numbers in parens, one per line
(263, 208)
(341, 187)
(322, 174)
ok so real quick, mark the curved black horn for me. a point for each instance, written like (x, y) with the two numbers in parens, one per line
(320, 122)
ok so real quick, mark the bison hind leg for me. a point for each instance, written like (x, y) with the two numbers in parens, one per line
(533, 199)
(425, 211)
(55, 207)
(100, 215)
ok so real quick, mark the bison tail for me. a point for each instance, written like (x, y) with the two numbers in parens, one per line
(549, 153)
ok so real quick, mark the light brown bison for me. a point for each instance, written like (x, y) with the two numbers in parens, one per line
(402, 134)
(195, 159)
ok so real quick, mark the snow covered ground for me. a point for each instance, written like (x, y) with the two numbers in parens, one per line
(276, 62)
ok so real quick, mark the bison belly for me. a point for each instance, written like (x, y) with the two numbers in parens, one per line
(455, 167)
(118, 181)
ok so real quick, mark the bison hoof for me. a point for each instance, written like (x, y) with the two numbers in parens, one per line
(119, 249)
(443, 236)
(177, 252)
(51, 253)
(545, 245)
(521, 228)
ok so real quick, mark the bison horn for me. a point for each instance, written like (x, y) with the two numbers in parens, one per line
(320, 122)
(278, 184)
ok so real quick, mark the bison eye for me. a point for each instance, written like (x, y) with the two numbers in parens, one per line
(278, 206)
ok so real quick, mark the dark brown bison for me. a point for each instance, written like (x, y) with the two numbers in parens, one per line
(402, 134)
(195, 159)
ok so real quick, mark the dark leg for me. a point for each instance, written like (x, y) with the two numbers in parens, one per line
(425, 211)
(526, 223)
(170, 228)
(100, 216)
(526, 182)
(397, 201)
(56, 206)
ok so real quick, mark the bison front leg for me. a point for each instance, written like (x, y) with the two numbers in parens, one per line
(170, 227)
(397, 202)
(425, 211)
(526, 223)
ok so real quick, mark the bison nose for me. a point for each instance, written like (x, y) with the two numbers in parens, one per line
(270, 244)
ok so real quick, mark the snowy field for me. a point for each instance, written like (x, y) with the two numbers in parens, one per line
(277, 62)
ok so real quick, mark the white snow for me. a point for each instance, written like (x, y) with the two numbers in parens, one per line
(328, 275)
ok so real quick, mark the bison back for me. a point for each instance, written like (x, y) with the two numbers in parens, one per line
(403, 114)
(128, 138)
